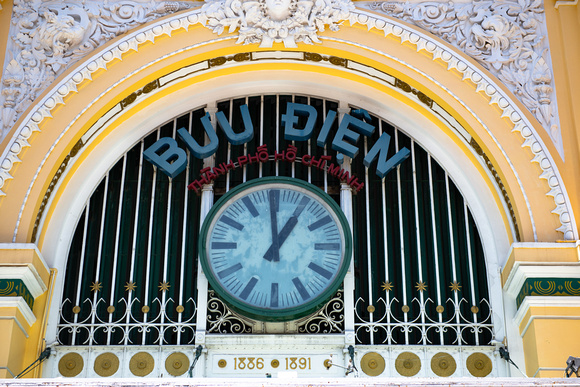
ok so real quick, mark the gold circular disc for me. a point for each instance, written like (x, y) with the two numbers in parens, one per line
(371, 309)
(71, 365)
(145, 309)
(443, 364)
(141, 364)
(479, 365)
(177, 363)
(76, 309)
(274, 363)
(405, 308)
(474, 309)
(106, 364)
(372, 364)
(222, 363)
(180, 309)
(440, 309)
(408, 364)
(111, 309)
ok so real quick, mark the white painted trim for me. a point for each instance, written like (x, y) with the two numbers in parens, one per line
(545, 301)
(524, 270)
(18, 302)
(25, 246)
(28, 274)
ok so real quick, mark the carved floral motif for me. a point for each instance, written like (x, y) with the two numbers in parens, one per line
(506, 36)
(269, 21)
(49, 36)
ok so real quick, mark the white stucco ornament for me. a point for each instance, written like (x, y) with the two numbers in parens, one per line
(282, 21)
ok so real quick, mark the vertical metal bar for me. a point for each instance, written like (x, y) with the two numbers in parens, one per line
(325, 151)
(293, 168)
(150, 232)
(277, 128)
(166, 250)
(418, 241)
(99, 252)
(261, 129)
(470, 262)
(453, 268)
(369, 252)
(116, 252)
(402, 239)
(435, 246)
(81, 268)
(385, 246)
(134, 245)
(184, 237)
(245, 168)
(228, 175)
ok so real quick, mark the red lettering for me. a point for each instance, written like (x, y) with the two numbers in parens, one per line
(263, 153)
(356, 185)
(230, 166)
(221, 170)
(278, 156)
(305, 159)
(334, 170)
(242, 160)
(316, 163)
(253, 159)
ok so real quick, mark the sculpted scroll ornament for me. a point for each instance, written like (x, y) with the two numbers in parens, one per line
(48, 36)
(282, 21)
(507, 37)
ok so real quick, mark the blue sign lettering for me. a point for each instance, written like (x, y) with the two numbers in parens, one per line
(172, 160)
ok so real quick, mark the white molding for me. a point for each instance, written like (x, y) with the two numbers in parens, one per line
(545, 301)
(6, 368)
(524, 270)
(18, 302)
(28, 274)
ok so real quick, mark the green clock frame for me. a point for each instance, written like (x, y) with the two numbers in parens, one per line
(266, 314)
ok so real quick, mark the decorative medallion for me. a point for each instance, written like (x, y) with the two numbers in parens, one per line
(76, 309)
(440, 309)
(179, 309)
(71, 365)
(177, 363)
(141, 364)
(275, 363)
(405, 308)
(280, 21)
(372, 364)
(443, 364)
(222, 363)
(145, 309)
(106, 364)
(408, 364)
(479, 365)
(110, 309)
(474, 309)
(371, 309)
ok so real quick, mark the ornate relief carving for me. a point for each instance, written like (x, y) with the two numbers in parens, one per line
(48, 36)
(391, 28)
(269, 21)
(506, 36)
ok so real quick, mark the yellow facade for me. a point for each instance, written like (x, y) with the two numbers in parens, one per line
(53, 174)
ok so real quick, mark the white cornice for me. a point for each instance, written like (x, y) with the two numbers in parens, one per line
(18, 302)
(545, 301)
(524, 270)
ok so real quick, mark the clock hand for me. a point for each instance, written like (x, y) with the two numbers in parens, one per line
(287, 229)
(274, 196)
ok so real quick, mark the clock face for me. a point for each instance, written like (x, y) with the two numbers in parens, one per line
(275, 248)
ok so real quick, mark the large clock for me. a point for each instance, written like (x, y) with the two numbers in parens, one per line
(276, 248)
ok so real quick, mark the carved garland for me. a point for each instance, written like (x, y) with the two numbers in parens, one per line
(507, 37)
(388, 27)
